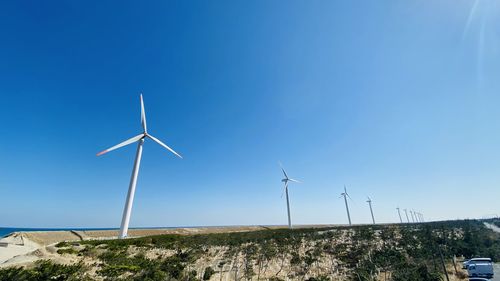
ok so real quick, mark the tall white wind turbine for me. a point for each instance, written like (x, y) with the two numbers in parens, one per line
(399, 214)
(285, 180)
(371, 210)
(345, 195)
(406, 212)
(127, 210)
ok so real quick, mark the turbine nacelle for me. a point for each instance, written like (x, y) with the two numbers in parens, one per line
(345, 194)
(286, 179)
(292, 180)
(140, 137)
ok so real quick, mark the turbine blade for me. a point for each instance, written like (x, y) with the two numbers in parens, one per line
(345, 191)
(164, 145)
(143, 116)
(283, 169)
(295, 180)
(127, 142)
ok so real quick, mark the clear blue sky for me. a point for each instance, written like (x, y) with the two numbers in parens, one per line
(399, 100)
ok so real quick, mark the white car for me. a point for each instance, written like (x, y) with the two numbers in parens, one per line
(466, 263)
(480, 269)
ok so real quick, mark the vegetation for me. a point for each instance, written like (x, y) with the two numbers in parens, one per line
(67, 251)
(208, 273)
(45, 270)
(380, 252)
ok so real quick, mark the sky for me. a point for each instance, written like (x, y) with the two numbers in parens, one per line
(398, 100)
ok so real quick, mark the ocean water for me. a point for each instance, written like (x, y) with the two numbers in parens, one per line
(4, 231)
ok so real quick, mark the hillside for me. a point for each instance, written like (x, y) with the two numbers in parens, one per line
(380, 252)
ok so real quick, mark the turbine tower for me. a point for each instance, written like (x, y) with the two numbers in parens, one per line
(285, 190)
(399, 214)
(345, 194)
(127, 210)
(406, 212)
(371, 210)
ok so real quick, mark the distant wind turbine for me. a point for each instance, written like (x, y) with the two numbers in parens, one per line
(285, 190)
(412, 217)
(371, 210)
(135, 171)
(399, 214)
(406, 212)
(421, 217)
(345, 194)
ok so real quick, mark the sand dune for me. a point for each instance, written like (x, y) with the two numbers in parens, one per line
(25, 247)
(16, 247)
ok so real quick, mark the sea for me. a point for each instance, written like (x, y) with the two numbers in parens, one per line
(4, 231)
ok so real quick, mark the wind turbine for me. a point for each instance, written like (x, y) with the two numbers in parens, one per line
(416, 216)
(406, 212)
(345, 194)
(399, 214)
(285, 190)
(127, 210)
(371, 211)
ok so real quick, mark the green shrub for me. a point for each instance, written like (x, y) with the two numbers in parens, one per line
(70, 251)
(118, 270)
(62, 244)
(208, 273)
(44, 270)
